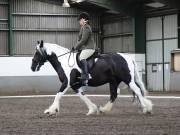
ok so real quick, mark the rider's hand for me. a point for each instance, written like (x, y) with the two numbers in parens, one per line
(73, 49)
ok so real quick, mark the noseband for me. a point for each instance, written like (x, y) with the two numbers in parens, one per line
(43, 59)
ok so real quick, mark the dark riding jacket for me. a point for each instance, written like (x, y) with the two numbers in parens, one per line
(85, 40)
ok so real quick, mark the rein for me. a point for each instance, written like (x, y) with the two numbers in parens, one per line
(70, 53)
(64, 54)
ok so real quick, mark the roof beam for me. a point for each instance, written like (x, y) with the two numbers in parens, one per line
(121, 6)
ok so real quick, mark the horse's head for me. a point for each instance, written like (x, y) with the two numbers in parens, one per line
(39, 58)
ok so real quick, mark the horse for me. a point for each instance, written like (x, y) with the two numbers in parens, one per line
(112, 68)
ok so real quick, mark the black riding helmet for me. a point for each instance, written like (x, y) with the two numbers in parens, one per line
(83, 15)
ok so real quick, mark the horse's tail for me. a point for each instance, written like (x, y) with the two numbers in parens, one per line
(138, 80)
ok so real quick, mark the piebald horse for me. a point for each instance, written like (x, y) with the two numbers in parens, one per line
(112, 68)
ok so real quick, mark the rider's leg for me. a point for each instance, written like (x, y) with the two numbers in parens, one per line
(83, 56)
(84, 75)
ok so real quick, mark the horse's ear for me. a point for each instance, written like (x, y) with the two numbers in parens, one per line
(41, 45)
(38, 42)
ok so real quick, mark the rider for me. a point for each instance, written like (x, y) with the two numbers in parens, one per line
(85, 44)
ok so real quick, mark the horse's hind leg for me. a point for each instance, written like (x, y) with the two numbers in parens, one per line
(138, 80)
(113, 96)
(145, 103)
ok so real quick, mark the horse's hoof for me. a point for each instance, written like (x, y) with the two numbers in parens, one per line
(149, 112)
(50, 113)
(94, 110)
(46, 112)
(101, 109)
(56, 111)
(91, 112)
(145, 111)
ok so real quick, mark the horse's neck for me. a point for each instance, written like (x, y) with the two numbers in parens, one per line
(54, 62)
(53, 48)
(62, 63)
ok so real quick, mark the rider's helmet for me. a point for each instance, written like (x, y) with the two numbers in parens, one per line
(84, 15)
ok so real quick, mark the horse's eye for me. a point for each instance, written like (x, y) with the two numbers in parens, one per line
(35, 61)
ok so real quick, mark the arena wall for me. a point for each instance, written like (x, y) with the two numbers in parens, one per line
(17, 77)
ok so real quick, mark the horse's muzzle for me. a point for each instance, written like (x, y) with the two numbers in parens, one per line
(33, 68)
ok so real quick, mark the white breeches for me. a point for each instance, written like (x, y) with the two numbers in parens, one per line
(86, 53)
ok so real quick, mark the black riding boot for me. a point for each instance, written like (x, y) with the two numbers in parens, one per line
(84, 75)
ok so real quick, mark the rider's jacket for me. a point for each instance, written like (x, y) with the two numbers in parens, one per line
(85, 40)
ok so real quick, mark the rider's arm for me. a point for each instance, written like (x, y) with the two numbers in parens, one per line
(85, 35)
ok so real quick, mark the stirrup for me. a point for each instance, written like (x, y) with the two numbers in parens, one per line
(85, 82)
(89, 77)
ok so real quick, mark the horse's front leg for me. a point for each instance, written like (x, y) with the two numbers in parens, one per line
(54, 108)
(93, 109)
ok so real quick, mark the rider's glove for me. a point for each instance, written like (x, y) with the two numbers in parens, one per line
(73, 49)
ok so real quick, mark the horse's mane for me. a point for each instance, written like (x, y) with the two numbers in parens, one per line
(57, 49)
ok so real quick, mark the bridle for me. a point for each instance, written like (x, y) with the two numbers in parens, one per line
(45, 56)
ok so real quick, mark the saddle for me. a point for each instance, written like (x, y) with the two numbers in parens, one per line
(90, 61)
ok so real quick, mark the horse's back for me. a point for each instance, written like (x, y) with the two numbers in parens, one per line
(117, 59)
(114, 65)
(130, 62)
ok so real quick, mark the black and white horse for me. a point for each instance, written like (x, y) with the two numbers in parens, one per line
(111, 68)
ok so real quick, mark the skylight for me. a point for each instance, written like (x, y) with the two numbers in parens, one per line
(155, 5)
